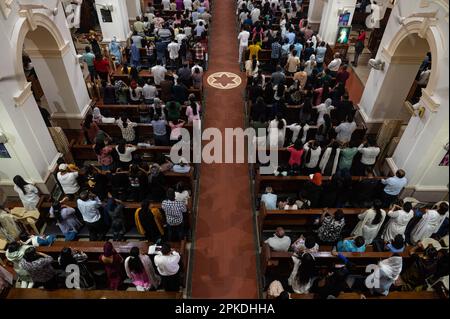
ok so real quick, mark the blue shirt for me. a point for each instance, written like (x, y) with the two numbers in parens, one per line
(350, 247)
(276, 50)
(89, 58)
(394, 250)
(298, 48)
(270, 200)
(394, 185)
(291, 37)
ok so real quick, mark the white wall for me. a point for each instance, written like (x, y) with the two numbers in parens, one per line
(330, 18)
(32, 150)
(134, 9)
(120, 26)
(421, 147)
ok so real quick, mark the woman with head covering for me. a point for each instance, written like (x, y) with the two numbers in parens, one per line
(113, 266)
(115, 50)
(121, 92)
(97, 115)
(322, 109)
(310, 64)
(384, 275)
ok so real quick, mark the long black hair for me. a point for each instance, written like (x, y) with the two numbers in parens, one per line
(98, 147)
(66, 258)
(121, 147)
(135, 263)
(306, 269)
(20, 182)
(57, 211)
(377, 207)
(88, 121)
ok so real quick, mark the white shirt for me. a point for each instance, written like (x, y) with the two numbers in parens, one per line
(159, 73)
(68, 182)
(315, 156)
(255, 14)
(279, 244)
(198, 67)
(89, 209)
(335, 65)
(369, 154)
(187, 5)
(243, 38)
(149, 92)
(173, 48)
(345, 131)
(167, 265)
(30, 198)
(166, 4)
(126, 157)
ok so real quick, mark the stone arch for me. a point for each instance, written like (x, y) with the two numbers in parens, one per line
(435, 38)
(40, 23)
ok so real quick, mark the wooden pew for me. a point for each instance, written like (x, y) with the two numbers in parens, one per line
(131, 111)
(275, 218)
(290, 183)
(18, 293)
(392, 295)
(142, 130)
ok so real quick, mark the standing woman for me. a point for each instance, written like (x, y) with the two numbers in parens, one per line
(113, 266)
(322, 109)
(90, 129)
(296, 151)
(303, 274)
(69, 257)
(28, 193)
(104, 155)
(399, 219)
(430, 223)
(370, 222)
(147, 223)
(322, 94)
(330, 158)
(66, 220)
(252, 67)
(125, 152)
(277, 132)
(140, 270)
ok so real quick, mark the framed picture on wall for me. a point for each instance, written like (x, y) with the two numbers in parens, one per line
(343, 35)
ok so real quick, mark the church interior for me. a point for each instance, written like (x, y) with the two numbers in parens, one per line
(119, 179)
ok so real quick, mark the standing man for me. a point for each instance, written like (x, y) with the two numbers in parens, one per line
(394, 186)
(88, 204)
(359, 46)
(89, 58)
(243, 42)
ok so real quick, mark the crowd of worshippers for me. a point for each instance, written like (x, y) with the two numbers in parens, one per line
(318, 91)
(157, 44)
(146, 272)
(420, 233)
(99, 198)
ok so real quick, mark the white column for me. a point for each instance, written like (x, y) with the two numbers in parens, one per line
(29, 144)
(315, 11)
(330, 18)
(120, 26)
(134, 9)
(63, 84)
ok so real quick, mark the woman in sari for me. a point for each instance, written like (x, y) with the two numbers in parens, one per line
(113, 266)
(140, 270)
(149, 222)
(430, 223)
(370, 222)
(384, 275)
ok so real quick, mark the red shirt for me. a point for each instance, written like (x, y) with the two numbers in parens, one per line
(362, 36)
(101, 66)
(296, 156)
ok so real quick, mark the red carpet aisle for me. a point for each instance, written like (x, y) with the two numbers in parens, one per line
(224, 257)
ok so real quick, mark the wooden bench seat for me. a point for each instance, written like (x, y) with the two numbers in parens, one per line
(18, 293)
(392, 295)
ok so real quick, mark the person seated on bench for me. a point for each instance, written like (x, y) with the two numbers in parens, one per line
(279, 241)
(167, 262)
(112, 262)
(289, 204)
(305, 245)
(182, 166)
(429, 263)
(69, 257)
(331, 226)
(139, 269)
(39, 267)
(303, 274)
(269, 199)
(352, 245)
